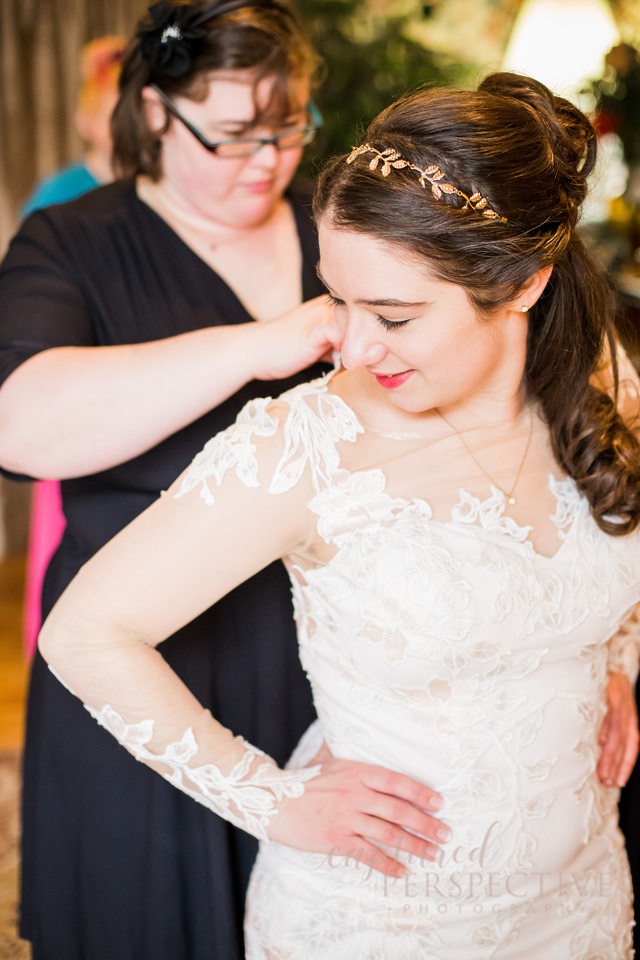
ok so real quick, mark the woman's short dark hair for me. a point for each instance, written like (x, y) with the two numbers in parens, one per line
(265, 40)
(515, 150)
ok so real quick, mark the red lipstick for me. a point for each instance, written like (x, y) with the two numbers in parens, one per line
(390, 383)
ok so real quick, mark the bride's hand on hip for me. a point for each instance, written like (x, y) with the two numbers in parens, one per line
(290, 343)
(350, 808)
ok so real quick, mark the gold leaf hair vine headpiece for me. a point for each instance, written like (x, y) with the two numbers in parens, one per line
(391, 159)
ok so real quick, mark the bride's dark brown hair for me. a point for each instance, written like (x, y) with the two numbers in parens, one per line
(528, 153)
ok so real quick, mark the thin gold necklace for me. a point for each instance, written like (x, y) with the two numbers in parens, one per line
(507, 494)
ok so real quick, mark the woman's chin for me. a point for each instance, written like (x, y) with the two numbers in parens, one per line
(255, 209)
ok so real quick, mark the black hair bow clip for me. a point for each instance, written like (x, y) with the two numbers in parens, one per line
(170, 41)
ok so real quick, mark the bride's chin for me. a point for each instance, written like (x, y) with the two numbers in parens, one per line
(414, 405)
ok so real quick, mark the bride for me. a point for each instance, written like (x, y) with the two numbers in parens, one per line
(458, 511)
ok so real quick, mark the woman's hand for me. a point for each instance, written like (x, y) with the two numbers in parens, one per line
(351, 807)
(295, 340)
(619, 733)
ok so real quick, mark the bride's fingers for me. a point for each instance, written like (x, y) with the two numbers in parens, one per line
(612, 752)
(630, 753)
(397, 840)
(398, 785)
(619, 732)
(347, 801)
(619, 749)
(398, 813)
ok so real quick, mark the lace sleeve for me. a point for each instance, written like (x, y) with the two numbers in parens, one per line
(624, 647)
(241, 504)
(628, 386)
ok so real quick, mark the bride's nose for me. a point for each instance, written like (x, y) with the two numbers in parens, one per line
(362, 344)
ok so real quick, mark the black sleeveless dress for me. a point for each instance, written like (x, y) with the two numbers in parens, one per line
(117, 864)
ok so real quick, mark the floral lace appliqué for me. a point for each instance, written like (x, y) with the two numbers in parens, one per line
(231, 448)
(489, 513)
(355, 501)
(402, 628)
(569, 504)
(310, 437)
(246, 796)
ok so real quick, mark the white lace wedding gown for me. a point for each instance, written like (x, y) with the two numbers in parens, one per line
(456, 653)
(448, 634)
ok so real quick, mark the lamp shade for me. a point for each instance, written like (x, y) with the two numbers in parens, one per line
(561, 42)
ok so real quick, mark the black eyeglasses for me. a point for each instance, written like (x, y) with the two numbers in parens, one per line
(237, 148)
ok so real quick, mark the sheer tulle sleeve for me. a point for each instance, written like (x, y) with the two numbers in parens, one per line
(240, 505)
(628, 386)
(624, 647)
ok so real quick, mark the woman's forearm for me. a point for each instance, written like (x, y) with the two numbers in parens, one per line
(71, 411)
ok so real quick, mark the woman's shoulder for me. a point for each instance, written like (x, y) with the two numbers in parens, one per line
(92, 206)
(107, 231)
(66, 237)
(74, 223)
(67, 183)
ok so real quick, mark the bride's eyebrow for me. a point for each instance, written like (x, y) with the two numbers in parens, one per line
(381, 301)
(391, 302)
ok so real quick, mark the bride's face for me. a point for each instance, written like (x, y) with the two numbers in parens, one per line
(239, 192)
(420, 338)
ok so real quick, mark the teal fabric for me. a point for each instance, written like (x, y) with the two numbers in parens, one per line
(65, 184)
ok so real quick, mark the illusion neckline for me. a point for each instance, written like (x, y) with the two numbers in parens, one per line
(500, 532)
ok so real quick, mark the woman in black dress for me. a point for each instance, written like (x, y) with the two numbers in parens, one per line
(128, 336)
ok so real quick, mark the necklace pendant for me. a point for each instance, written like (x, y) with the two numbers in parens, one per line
(512, 499)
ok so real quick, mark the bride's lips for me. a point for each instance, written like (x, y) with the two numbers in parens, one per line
(395, 380)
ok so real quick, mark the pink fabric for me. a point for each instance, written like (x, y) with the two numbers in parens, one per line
(47, 525)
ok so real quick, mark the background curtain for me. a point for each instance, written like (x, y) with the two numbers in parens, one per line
(40, 43)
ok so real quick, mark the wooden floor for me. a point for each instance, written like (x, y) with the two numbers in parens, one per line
(13, 681)
(13, 669)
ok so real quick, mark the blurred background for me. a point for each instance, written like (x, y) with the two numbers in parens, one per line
(373, 50)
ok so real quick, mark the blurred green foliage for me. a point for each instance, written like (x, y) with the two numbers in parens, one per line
(369, 60)
(617, 95)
